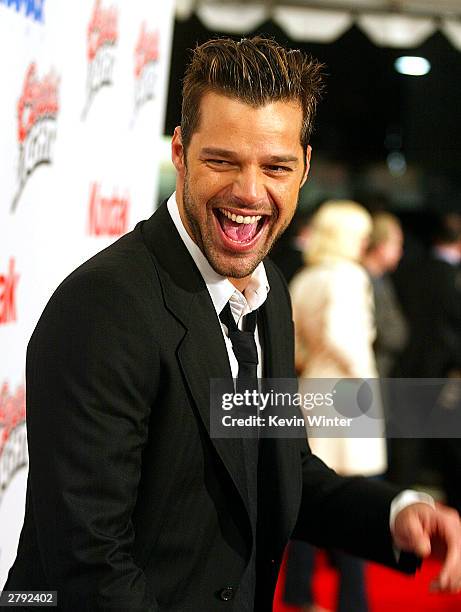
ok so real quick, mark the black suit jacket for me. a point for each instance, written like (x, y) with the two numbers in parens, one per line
(131, 505)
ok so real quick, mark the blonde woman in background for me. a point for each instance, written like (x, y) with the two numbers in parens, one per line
(333, 315)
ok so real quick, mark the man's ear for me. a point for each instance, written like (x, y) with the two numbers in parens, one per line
(308, 164)
(177, 151)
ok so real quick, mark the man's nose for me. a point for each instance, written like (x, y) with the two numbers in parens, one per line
(249, 186)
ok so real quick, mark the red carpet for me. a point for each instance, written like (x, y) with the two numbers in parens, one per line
(387, 590)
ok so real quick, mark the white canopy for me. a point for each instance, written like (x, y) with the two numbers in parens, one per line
(388, 23)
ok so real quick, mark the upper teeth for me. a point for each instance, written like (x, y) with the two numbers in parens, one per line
(240, 218)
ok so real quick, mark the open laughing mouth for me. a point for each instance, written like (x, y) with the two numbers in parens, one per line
(239, 231)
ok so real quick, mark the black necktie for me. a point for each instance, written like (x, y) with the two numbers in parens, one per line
(244, 347)
(246, 353)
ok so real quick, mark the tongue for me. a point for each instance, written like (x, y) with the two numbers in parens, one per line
(240, 232)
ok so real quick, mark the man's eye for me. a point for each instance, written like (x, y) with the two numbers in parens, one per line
(218, 162)
(279, 169)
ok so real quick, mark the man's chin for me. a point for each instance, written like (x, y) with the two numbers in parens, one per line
(237, 269)
(238, 264)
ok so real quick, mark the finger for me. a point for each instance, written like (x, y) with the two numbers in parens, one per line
(450, 575)
(450, 530)
(419, 538)
(436, 587)
(414, 537)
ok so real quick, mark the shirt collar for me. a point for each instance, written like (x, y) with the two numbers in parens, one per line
(220, 288)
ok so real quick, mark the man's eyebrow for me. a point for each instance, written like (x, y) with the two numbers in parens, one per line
(216, 151)
(283, 159)
(272, 159)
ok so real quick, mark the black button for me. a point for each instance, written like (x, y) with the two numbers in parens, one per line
(227, 593)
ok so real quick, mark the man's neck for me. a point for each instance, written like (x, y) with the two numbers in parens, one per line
(240, 283)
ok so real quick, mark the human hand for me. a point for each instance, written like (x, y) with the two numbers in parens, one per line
(421, 529)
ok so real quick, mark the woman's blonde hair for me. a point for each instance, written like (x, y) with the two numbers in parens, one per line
(339, 230)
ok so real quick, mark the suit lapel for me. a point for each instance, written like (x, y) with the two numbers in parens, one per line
(202, 353)
(280, 461)
(270, 322)
(199, 366)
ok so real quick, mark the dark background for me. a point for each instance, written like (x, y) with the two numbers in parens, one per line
(370, 110)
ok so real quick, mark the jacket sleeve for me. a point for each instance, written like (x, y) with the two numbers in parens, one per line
(92, 374)
(350, 513)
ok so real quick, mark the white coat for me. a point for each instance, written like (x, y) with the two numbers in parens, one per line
(334, 332)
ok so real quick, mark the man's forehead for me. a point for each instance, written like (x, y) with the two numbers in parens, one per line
(279, 119)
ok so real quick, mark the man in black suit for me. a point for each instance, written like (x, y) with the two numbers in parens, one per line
(432, 300)
(431, 290)
(131, 503)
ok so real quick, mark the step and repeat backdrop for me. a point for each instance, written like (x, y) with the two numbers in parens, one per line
(82, 96)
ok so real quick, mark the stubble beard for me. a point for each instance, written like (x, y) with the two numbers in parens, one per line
(227, 265)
